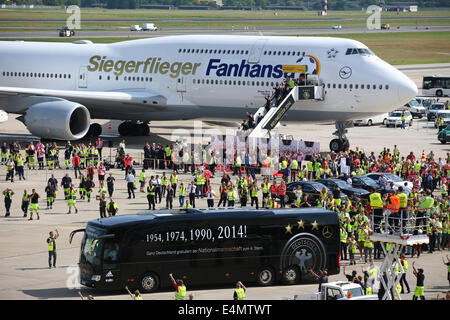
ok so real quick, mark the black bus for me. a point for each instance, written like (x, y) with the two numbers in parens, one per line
(208, 247)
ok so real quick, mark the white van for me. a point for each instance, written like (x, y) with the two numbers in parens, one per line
(135, 27)
(149, 27)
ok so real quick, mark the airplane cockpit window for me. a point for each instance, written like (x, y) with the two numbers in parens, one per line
(360, 51)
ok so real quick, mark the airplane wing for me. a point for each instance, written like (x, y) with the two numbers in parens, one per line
(138, 96)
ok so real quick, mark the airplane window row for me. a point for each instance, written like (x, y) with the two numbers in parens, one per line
(129, 78)
(219, 51)
(283, 53)
(235, 82)
(36, 75)
(357, 86)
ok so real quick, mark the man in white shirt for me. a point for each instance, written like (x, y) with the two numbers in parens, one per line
(191, 190)
(210, 197)
(130, 184)
(157, 184)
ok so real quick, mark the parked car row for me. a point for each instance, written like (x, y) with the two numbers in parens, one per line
(360, 186)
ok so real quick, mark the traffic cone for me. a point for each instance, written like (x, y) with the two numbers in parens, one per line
(109, 126)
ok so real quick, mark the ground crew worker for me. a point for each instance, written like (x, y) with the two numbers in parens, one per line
(164, 184)
(19, 167)
(274, 190)
(243, 196)
(404, 263)
(110, 184)
(343, 239)
(181, 194)
(231, 196)
(50, 191)
(66, 182)
(51, 243)
(102, 204)
(393, 206)
(180, 288)
(10, 169)
(254, 194)
(136, 296)
(376, 204)
(174, 181)
(88, 185)
(151, 195)
(142, 180)
(111, 208)
(34, 198)
(71, 201)
(187, 205)
(424, 208)
(299, 196)
(281, 193)
(352, 249)
(265, 189)
(25, 203)
(403, 213)
(419, 291)
(368, 246)
(239, 292)
(8, 193)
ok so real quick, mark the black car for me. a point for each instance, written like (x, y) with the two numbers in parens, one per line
(362, 182)
(347, 189)
(311, 189)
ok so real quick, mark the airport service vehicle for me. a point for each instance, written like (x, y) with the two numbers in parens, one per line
(390, 177)
(395, 119)
(385, 26)
(416, 109)
(349, 190)
(444, 135)
(339, 290)
(58, 88)
(337, 27)
(149, 27)
(379, 119)
(426, 102)
(437, 85)
(135, 27)
(66, 32)
(434, 109)
(445, 114)
(205, 247)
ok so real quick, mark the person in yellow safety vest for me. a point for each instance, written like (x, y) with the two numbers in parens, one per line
(323, 196)
(310, 170)
(180, 288)
(137, 295)
(181, 194)
(200, 184)
(376, 204)
(299, 196)
(294, 170)
(444, 190)
(111, 208)
(142, 180)
(164, 183)
(419, 291)
(174, 181)
(265, 189)
(239, 292)
(351, 242)
(343, 239)
(237, 165)
(424, 207)
(254, 194)
(151, 191)
(51, 243)
(368, 245)
(273, 204)
(231, 197)
(187, 205)
(71, 201)
(403, 281)
(403, 214)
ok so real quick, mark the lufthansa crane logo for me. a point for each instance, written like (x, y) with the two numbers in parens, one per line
(345, 72)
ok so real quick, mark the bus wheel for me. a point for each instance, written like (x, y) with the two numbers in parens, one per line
(291, 275)
(266, 276)
(149, 282)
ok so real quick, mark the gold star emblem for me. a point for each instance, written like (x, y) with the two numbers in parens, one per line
(288, 228)
(301, 224)
(315, 225)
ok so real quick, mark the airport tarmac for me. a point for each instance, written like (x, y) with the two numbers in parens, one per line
(24, 272)
(120, 32)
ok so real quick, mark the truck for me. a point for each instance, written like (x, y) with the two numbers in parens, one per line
(338, 290)
(135, 27)
(416, 109)
(149, 27)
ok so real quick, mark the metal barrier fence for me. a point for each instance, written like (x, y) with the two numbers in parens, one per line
(408, 221)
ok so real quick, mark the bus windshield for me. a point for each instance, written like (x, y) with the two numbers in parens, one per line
(92, 247)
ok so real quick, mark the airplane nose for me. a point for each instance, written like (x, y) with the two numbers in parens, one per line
(407, 90)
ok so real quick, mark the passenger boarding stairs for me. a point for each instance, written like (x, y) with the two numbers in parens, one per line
(268, 125)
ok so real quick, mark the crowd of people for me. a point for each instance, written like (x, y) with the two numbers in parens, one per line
(388, 208)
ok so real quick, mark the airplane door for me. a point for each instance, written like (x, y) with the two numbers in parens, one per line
(182, 84)
(82, 77)
(256, 51)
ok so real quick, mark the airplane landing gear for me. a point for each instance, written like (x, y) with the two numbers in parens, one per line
(129, 128)
(341, 143)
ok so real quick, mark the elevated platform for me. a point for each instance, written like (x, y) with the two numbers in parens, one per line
(404, 240)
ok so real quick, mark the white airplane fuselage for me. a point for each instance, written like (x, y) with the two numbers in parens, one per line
(201, 76)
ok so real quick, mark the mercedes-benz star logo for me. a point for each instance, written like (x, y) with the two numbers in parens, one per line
(326, 232)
